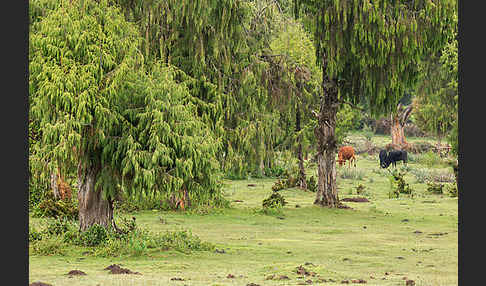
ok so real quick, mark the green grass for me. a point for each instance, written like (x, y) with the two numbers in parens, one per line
(370, 239)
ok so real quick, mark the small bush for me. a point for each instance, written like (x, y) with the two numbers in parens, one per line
(58, 227)
(429, 159)
(50, 207)
(398, 185)
(435, 188)
(279, 185)
(452, 190)
(274, 172)
(275, 200)
(48, 246)
(368, 132)
(93, 236)
(34, 235)
(360, 189)
(312, 184)
(423, 175)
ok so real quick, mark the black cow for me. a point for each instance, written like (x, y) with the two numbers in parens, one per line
(392, 157)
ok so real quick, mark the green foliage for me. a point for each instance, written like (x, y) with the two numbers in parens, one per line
(371, 49)
(430, 159)
(398, 185)
(93, 236)
(347, 119)
(275, 200)
(50, 207)
(129, 239)
(435, 188)
(437, 92)
(37, 193)
(98, 106)
(47, 246)
(312, 184)
(58, 227)
(34, 235)
(279, 185)
(451, 190)
(360, 189)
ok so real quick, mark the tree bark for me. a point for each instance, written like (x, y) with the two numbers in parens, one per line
(326, 144)
(398, 121)
(93, 208)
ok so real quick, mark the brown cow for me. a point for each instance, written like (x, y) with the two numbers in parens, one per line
(346, 153)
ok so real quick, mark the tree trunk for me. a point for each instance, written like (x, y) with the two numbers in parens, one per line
(398, 121)
(93, 209)
(302, 182)
(398, 136)
(326, 145)
(55, 186)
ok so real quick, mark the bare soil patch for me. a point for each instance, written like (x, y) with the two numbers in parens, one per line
(356, 200)
(76, 272)
(116, 269)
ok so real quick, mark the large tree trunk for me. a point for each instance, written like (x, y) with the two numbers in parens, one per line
(398, 121)
(93, 209)
(326, 145)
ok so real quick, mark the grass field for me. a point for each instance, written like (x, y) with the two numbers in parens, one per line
(383, 241)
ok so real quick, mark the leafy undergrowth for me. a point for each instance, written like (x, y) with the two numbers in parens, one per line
(60, 236)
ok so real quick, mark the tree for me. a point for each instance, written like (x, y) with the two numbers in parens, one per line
(300, 80)
(124, 127)
(368, 52)
(437, 93)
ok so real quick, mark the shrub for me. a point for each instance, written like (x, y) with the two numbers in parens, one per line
(274, 172)
(94, 235)
(452, 190)
(368, 132)
(398, 185)
(139, 241)
(423, 175)
(279, 185)
(360, 189)
(34, 235)
(312, 184)
(36, 194)
(275, 200)
(48, 246)
(429, 159)
(58, 227)
(351, 173)
(50, 207)
(435, 188)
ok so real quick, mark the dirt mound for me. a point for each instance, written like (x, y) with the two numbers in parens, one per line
(343, 206)
(116, 269)
(76, 272)
(355, 200)
(39, 284)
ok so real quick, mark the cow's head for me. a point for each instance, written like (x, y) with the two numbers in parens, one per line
(384, 159)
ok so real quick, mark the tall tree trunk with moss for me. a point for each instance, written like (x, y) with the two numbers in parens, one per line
(93, 208)
(327, 194)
